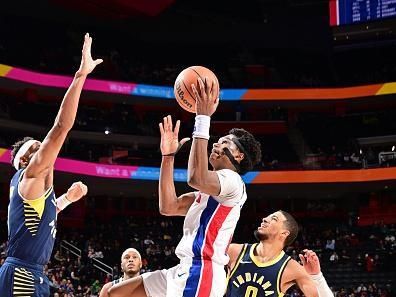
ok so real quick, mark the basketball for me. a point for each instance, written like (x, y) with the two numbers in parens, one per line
(182, 89)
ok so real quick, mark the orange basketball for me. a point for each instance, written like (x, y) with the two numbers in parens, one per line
(182, 89)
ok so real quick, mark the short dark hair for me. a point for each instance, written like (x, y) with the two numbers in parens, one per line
(292, 226)
(17, 145)
(250, 146)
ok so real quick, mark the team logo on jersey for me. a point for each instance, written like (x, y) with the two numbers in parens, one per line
(254, 284)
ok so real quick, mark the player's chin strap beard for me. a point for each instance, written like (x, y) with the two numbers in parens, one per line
(232, 159)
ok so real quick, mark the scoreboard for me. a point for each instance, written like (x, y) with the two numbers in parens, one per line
(346, 12)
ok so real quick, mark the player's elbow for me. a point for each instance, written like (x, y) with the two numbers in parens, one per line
(63, 125)
(194, 181)
(166, 210)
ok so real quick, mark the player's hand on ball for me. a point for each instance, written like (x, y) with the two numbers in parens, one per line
(76, 191)
(170, 137)
(310, 261)
(87, 63)
(206, 97)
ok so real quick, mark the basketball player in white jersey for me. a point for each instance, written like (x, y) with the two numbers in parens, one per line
(131, 263)
(211, 213)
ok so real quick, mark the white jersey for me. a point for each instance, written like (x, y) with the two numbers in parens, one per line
(211, 220)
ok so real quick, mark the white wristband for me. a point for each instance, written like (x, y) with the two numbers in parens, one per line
(321, 285)
(201, 127)
(62, 202)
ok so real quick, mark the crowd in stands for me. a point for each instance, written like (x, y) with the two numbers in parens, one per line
(241, 67)
(328, 142)
(368, 250)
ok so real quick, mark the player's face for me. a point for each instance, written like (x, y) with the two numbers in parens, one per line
(130, 262)
(217, 156)
(270, 226)
(30, 153)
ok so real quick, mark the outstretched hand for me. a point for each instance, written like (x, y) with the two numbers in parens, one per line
(310, 261)
(87, 63)
(170, 137)
(205, 97)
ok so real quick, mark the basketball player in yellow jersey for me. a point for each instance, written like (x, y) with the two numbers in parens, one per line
(263, 269)
(33, 207)
(131, 263)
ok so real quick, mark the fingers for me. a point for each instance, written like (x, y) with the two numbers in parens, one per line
(302, 258)
(207, 86)
(84, 189)
(177, 127)
(161, 127)
(196, 94)
(170, 123)
(98, 61)
(87, 43)
(166, 127)
(184, 140)
(214, 94)
(81, 186)
(204, 94)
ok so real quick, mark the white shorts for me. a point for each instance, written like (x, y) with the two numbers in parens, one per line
(200, 279)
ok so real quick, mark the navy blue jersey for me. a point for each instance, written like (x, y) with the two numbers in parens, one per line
(251, 278)
(31, 224)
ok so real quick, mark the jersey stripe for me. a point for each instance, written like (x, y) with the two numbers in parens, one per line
(207, 252)
(212, 218)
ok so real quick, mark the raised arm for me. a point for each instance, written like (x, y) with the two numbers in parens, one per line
(169, 203)
(199, 176)
(311, 264)
(49, 149)
(295, 274)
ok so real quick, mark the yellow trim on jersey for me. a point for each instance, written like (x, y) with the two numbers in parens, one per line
(37, 204)
(264, 264)
(278, 288)
(242, 253)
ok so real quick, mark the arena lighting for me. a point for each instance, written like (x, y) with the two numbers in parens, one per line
(393, 148)
(360, 151)
(107, 131)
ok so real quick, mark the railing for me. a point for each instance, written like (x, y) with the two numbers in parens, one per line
(71, 248)
(102, 266)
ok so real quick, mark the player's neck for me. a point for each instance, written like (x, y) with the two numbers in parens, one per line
(126, 276)
(267, 251)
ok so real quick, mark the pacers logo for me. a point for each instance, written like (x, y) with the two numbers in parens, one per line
(253, 284)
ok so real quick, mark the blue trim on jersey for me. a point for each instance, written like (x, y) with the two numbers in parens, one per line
(203, 225)
(194, 276)
(190, 290)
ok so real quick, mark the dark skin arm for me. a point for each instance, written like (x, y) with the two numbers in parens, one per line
(39, 173)
(199, 176)
(169, 203)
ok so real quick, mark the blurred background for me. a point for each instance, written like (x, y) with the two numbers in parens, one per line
(312, 80)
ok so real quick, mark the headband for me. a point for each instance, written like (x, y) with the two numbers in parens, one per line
(22, 151)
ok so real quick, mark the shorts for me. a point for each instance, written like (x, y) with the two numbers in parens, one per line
(19, 278)
(190, 278)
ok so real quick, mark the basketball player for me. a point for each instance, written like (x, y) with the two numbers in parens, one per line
(211, 213)
(32, 211)
(263, 269)
(131, 263)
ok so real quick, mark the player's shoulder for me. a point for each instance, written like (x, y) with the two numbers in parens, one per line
(105, 289)
(235, 249)
(228, 172)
